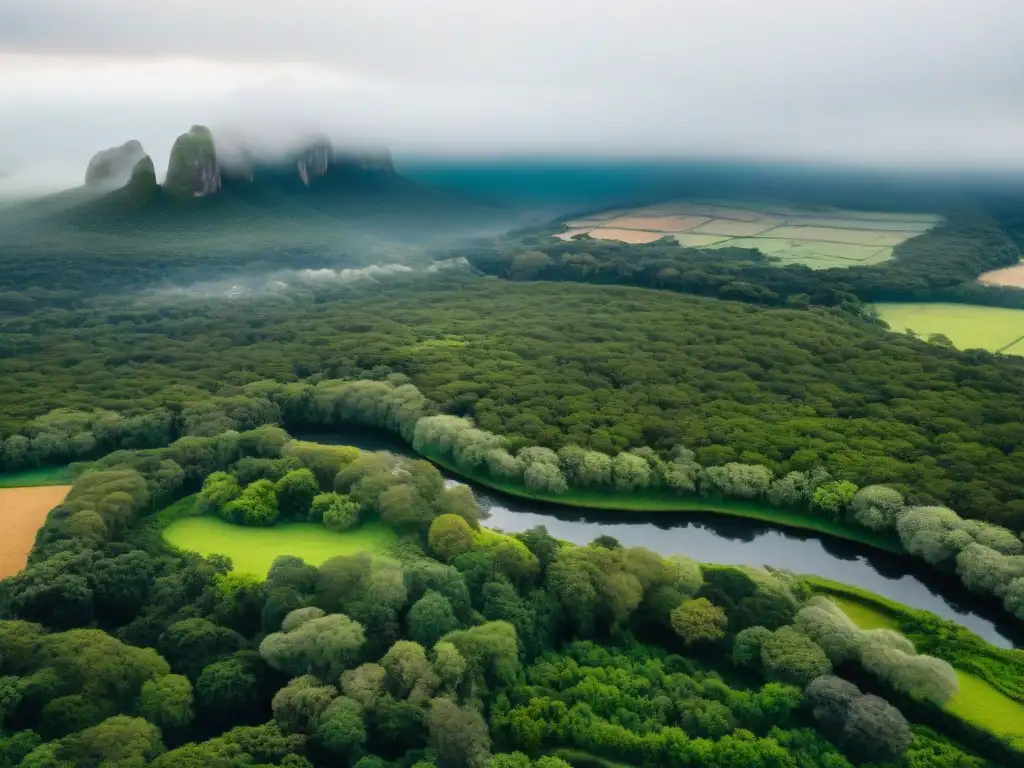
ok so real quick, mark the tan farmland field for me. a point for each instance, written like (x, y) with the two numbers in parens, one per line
(1012, 277)
(657, 223)
(22, 513)
(820, 237)
(627, 235)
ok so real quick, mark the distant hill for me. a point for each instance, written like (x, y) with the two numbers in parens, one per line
(335, 207)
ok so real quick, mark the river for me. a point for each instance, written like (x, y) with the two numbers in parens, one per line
(715, 538)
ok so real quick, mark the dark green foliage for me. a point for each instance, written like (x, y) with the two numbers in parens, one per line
(295, 493)
(430, 618)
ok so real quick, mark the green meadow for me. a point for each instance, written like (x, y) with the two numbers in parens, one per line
(31, 478)
(253, 550)
(969, 327)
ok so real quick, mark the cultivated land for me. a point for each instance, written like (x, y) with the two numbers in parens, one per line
(1012, 277)
(819, 237)
(22, 513)
(253, 550)
(969, 327)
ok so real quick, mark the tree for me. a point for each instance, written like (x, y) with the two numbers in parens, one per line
(167, 701)
(341, 729)
(403, 507)
(323, 646)
(876, 507)
(545, 478)
(746, 648)
(791, 657)
(299, 705)
(630, 472)
(491, 652)
(833, 497)
(219, 488)
(449, 537)
(293, 572)
(295, 493)
(699, 621)
(459, 500)
(118, 742)
(257, 505)
(227, 691)
(337, 512)
(459, 735)
(875, 730)
(191, 644)
(408, 673)
(430, 618)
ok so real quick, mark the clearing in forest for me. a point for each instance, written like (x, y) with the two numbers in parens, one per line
(23, 512)
(820, 237)
(996, 329)
(253, 550)
(1011, 277)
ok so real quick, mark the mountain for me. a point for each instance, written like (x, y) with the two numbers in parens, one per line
(112, 167)
(313, 198)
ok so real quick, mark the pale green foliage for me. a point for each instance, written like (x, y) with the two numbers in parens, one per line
(449, 537)
(699, 621)
(536, 454)
(994, 537)
(924, 532)
(1014, 598)
(829, 627)
(685, 573)
(449, 665)
(299, 616)
(919, 676)
(323, 646)
(218, 489)
(790, 656)
(298, 706)
(630, 472)
(364, 684)
(681, 473)
(545, 478)
(337, 512)
(408, 673)
(502, 465)
(987, 571)
(740, 481)
(595, 470)
(459, 734)
(340, 727)
(876, 507)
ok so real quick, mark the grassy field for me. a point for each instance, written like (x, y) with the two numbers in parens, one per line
(252, 550)
(22, 513)
(820, 237)
(864, 615)
(31, 478)
(968, 327)
(652, 502)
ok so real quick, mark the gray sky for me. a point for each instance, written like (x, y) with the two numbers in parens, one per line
(867, 81)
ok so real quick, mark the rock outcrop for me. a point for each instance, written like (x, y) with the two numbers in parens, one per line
(143, 176)
(113, 167)
(193, 170)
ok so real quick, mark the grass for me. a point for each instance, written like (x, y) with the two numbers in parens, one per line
(968, 327)
(32, 478)
(865, 615)
(979, 703)
(253, 550)
(663, 502)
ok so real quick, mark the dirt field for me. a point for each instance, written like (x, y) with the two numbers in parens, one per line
(22, 512)
(571, 233)
(626, 235)
(731, 228)
(1012, 277)
(657, 223)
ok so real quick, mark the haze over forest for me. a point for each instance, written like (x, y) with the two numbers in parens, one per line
(921, 82)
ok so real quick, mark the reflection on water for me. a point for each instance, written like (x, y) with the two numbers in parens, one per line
(735, 541)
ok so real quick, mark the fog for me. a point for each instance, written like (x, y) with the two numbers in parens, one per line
(908, 84)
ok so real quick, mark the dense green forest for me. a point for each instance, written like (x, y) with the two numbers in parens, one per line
(604, 367)
(461, 647)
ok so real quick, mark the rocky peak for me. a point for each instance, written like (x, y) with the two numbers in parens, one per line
(193, 170)
(113, 167)
(143, 174)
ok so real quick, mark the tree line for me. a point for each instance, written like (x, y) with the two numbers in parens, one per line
(467, 648)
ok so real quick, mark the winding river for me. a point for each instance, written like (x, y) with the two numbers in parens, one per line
(734, 541)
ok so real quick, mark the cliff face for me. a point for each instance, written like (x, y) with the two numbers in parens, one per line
(143, 176)
(113, 167)
(314, 160)
(193, 170)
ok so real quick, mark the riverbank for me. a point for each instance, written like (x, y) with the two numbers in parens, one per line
(991, 679)
(663, 502)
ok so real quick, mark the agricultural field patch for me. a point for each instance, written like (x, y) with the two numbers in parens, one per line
(981, 704)
(733, 228)
(819, 237)
(996, 329)
(253, 550)
(657, 223)
(23, 512)
(812, 254)
(693, 240)
(831, 235)
(1011, 277)
(626, 235)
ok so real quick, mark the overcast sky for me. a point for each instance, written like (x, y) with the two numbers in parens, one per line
(869, 81)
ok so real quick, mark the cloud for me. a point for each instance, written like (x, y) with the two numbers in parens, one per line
(920, 81)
